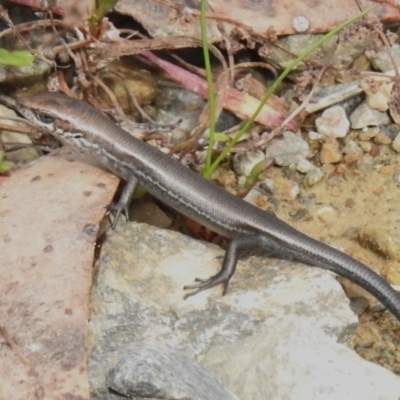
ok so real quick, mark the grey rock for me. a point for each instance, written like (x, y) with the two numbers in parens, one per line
(243, 163)
(295, 360)
(383, 61)
(364, 116)
(352, 147)
(314, 177)
(287, 149)
(138, 296)
(153, 371)
(268, 185)
(333, 123)
(312, 135)
(304, 166)
(347, 95)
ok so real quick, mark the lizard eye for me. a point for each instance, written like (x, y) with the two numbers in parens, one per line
(45, 118)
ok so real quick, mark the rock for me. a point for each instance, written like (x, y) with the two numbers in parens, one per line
(351, 158)
(369, 133)
(333, 123)
(148, 370)
(327, 214)
(287, 149)
(352, 151)
(330, 153)
(390, 130)
(243, 163)
(10, 75)
(304, 166)
(384, 150)
(258, 199)
(313, 177)
(352, 147)
(268, 185)
(292, 43)
(312, 135)
(396, 143)
(348, 95)
(23, 155)
(293, 190)
(364, 116)
(366, 164)
(138, 296)
(366, 146)
(334, 179)
(382, 61)
(295, 360)
(149, 213)
(382, 138)
(378, 91)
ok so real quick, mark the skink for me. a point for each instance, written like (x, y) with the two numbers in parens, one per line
(250, 229)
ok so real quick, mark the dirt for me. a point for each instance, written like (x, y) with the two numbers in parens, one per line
(355, 209)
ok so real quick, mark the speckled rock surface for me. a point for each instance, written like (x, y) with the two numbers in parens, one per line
(148, 370)
(138, 295)
(298, 361)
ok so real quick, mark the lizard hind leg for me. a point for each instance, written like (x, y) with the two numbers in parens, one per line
(238, 247)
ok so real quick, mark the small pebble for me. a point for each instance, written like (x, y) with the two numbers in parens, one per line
(333, 123)
(268, 185)
(257, 199)
(313, 177)
(312, 135)
(341, 169)
(382, 138)
(384, 150)
(330, 153)
(351, 158)
(243, 163)
(366, 164)
(327, 215)
(287, 149)
(368, 133)
(364, 116)
(382, 61)
(378, 91)
(304, 166)
(367, 146)
(334, 180)
(301, 214)
(352, 147)
(293, 190)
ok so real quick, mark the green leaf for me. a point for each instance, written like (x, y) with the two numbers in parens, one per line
(210, 85)
(276, 83)
(218, 137)
(101, 9)
(255, 172)
(19, 58)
